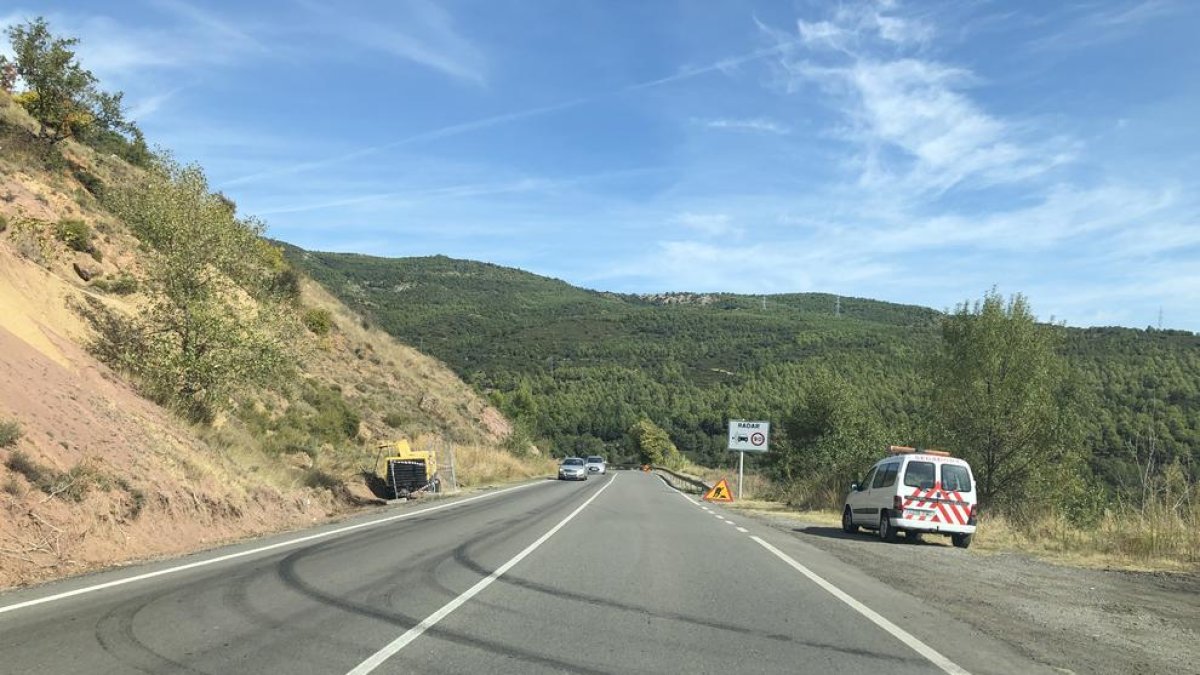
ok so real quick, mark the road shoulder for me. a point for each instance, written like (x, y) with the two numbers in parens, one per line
(1082, 620)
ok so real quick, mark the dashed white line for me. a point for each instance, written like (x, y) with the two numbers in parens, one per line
(729, 522)
(742, 530)
(897, 632)
(389, 650)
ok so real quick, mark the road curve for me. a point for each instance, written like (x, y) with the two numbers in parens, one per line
(616, 574)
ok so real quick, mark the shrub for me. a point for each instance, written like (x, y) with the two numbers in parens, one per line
(320, 480)
(77, 482)
(286, 283)
(90, 181)
(10, 433)
(290, 439)
(122, 285)
(19, 462)
(318, 320)
(396, 420)
(13, 487)
(3, 222)
(75, 234)
(73, 484)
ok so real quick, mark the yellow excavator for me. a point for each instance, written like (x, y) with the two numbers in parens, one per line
(406, 472)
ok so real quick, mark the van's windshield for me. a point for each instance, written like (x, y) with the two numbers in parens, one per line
(956, 478)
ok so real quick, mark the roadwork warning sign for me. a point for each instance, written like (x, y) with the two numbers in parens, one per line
(719, 492)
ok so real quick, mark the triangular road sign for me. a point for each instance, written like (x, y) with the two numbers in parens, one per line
(719, 492)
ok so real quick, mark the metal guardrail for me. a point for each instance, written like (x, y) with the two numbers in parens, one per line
(679, 481)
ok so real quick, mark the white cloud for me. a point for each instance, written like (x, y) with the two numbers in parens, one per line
(125, 56)
(854, 24)
(421, 32)
(710, 224)
(146, 106)
(912, 118)
(757, 124)
(1088, 24)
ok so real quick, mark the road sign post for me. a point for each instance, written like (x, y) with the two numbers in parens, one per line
(741, 473)
(746, 436)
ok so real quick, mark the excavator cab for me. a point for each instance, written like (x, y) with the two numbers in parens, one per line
(406, 472)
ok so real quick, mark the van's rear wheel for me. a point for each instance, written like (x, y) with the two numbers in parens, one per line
(886, 531)
(960, 540)
(848, 525)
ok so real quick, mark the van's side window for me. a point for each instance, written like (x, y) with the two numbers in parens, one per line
(885, 477)
(889, 475)
(919, 475)
(956, 478)
(866, 481)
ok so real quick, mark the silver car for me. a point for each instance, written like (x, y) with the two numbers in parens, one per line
(595, 464)
(572, 468)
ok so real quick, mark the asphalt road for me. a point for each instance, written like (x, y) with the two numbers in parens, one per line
(613, 575)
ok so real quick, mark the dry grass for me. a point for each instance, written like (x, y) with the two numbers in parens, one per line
(756, 487)
(772, 508)
(1158, 537)
(478, 465)
(415, 393)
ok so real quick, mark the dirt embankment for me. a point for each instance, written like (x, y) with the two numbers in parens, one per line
(100, 475)
(1080, 620)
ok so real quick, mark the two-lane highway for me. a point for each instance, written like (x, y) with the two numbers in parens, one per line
(615, 575)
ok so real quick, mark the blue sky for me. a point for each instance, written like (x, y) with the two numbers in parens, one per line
(913, 152)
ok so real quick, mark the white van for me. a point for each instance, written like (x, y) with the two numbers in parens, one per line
(914, 491)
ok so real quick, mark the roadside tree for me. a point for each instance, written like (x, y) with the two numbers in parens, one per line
(1004, 398)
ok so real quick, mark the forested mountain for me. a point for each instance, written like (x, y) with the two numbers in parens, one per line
(579, 367)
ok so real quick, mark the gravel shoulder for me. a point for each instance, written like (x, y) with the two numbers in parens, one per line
(1077, 620)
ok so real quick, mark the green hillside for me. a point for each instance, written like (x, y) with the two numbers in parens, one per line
(579, 367)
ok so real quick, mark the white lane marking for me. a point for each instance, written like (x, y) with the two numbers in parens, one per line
(897, 632)
(729, 522)
(743, 530)
(260, 549)
(377, 659)
(705, 508)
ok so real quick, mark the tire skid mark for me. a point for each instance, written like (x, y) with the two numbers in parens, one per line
(116, 635)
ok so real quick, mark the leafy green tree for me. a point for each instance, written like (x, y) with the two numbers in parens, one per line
(201, 338)
(1003, 397)
(58, 88)
(653, 444)
(64, 97)
(826, 441)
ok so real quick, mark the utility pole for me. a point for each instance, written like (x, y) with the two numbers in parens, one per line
(764, 306)
(1160, 317)
(837, 307)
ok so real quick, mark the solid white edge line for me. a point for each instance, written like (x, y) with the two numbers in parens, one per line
(897, 632)
(241, 554)
(378, 658)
